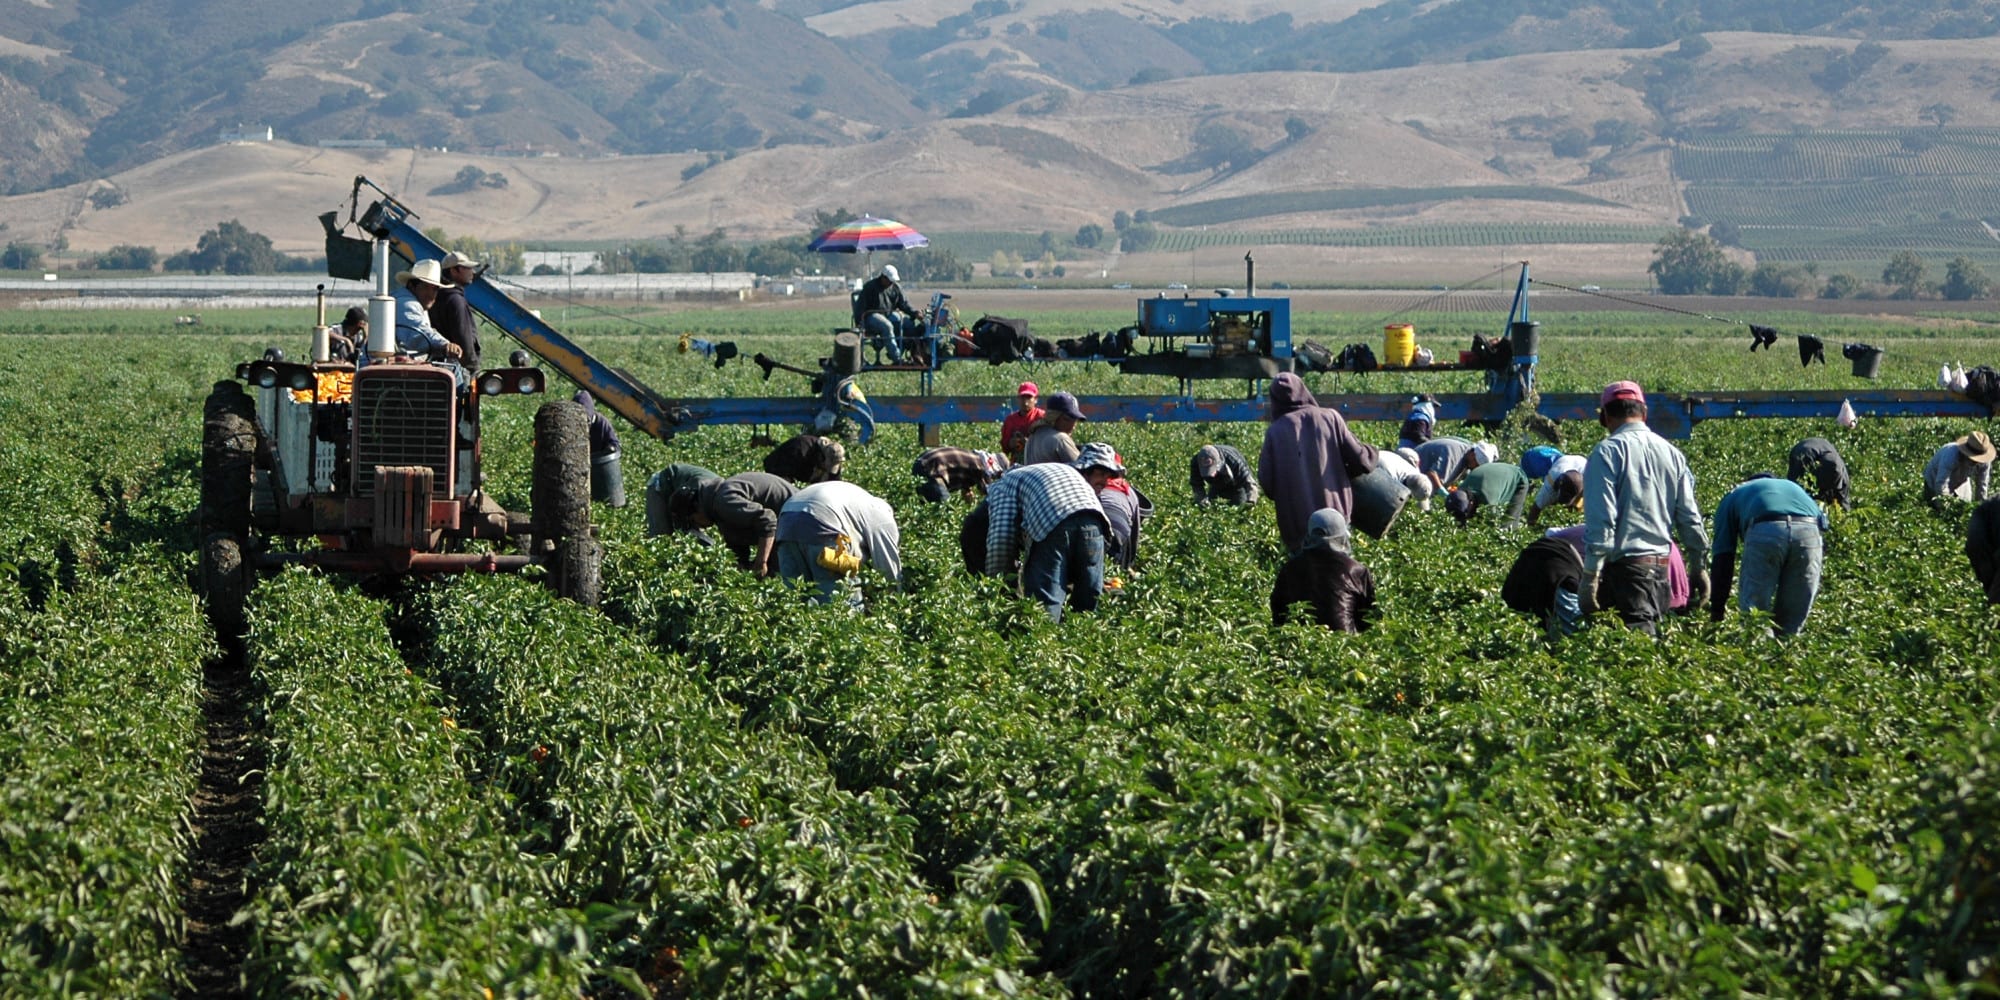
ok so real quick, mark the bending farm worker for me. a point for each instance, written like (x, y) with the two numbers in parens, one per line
(1324, 575)
(1219, 472)
(1776, 526)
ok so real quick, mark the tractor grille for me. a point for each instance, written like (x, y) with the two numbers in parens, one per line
(404, 418)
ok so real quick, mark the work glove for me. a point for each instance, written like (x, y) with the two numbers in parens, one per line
(1698, 588)
(1586, 594)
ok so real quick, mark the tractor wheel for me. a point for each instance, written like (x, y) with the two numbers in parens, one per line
(561, 489)
(578, 570)
(561, 497)
(225, 582)
(228, 453)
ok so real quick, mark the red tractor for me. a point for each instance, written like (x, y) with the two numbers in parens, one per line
(377, 471)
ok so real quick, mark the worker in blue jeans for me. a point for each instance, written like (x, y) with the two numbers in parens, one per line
(1051, 511)
(1776, 526)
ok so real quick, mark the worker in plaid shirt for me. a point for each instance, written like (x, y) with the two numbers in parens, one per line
(1051, 511)
(944, 471)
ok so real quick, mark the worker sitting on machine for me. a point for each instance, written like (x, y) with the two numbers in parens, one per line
(884, 315)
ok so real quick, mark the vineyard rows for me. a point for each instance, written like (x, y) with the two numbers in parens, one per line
(1884, 202)
(709, 788)
(1845, 156)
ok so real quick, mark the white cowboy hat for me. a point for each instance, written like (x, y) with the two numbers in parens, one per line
(427, 271)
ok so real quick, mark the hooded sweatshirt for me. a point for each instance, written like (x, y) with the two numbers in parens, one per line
(1325, 575)
(1309, 460)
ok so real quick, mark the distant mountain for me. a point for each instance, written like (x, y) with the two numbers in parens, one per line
(92, 87)
(574, 120)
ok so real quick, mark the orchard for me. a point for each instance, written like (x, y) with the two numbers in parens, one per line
(709, 787)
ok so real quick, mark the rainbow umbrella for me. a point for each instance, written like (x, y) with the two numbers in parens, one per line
(867, 234)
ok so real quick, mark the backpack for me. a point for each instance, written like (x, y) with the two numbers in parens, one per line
(1001, 339)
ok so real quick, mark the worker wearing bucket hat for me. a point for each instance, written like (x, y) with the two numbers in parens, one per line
(1637, 492)
(1962, 469)
(1015, 429)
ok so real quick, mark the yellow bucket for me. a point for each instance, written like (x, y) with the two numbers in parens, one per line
(1399, 345)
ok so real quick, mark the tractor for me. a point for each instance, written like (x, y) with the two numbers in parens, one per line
(377, 470)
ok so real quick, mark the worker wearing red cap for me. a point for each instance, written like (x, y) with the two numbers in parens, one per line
(1014, 430)
(1637, 492)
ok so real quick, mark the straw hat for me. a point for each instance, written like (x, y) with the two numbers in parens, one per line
(1976, 447)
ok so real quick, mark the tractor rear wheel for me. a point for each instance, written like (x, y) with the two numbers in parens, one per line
(228, 454)
(225, 583)
(561, 497)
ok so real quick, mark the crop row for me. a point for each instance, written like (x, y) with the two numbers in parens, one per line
(1841, 157)
(1466, 234)
(101, 652)
(1890, 201)
(1221, 211)
(386, 871)
(739, 865)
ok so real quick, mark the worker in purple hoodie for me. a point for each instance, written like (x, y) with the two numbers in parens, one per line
(1310, 459)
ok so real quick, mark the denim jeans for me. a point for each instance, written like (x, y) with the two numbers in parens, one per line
(1070, 560)
(1780, 565)
(887, 330)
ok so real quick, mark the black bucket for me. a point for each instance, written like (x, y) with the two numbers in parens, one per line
(346, 257)
(1867, 360)
(1378, 498)
(1526, 339)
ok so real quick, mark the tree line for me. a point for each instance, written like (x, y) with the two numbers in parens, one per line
(1690, 262)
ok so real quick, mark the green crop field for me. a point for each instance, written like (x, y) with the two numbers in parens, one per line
(708, 787)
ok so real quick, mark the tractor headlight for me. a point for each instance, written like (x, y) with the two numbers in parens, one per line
(491, 385)
(302, 379)
(530, 384)
(267, 377)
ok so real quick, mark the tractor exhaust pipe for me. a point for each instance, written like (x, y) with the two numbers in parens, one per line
(322, 347)
(1249, 274)
(381, 309)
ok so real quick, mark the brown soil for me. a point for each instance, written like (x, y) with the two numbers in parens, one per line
(228, 827)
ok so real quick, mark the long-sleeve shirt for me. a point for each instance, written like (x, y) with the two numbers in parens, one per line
(1233, 483)
(1637, 491)
(1818, 458)
(819, 512)
(1677, 574)
(1309, 460)
(1949, 469)
(414, 333)
(744, 508)
(958, 468)
(1026, 504)
(1123, 513)
(1982, 547)
(1340, 590)
(1444, 456)
(1047, 444)
(1546, 496)
(1759, 498)
(452, 318)
(1495, 483)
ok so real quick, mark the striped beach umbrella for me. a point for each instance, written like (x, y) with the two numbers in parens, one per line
(867, 234)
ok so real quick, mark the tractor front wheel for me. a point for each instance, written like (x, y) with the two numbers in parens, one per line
(225, 583)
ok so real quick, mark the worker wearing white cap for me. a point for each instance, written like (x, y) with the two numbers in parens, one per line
(885, 315)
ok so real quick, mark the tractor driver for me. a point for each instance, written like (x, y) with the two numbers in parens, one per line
(416, 289)
(885, 315)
